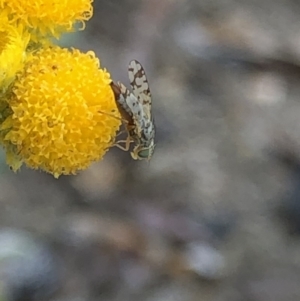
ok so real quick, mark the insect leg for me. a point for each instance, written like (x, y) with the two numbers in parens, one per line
(127, 144)
(111, 115)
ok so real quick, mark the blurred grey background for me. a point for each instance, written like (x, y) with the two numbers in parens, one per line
(215, 216)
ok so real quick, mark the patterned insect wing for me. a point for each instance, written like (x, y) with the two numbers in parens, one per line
(130, 109)
(140, 86)
(149, 132)
(120, 94)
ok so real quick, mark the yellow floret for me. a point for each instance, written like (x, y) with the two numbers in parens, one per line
(13, 43)
(48, 16)
(63, 112)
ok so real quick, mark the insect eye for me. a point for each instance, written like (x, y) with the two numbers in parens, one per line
(144, 153)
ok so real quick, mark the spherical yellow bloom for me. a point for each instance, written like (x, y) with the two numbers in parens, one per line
(48, 16)
(13, 43)
(64, 112)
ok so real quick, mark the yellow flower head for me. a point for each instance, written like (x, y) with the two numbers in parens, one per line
(13, 43)
(48, 16)
(64, 113)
